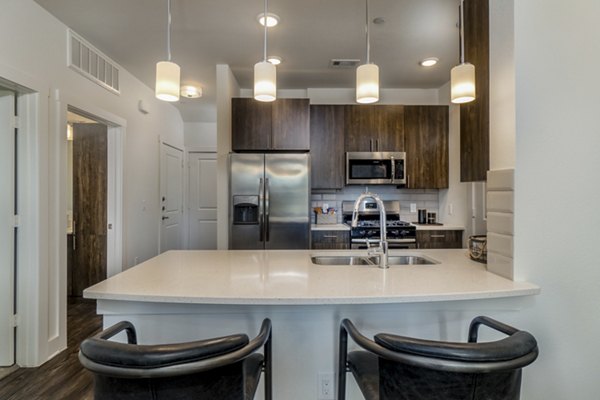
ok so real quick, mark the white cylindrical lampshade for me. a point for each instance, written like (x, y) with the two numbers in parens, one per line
(462, 83)
(367, 83)
(167, 81)
(265, 81)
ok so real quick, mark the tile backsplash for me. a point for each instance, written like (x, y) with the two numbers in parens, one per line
(423, 198)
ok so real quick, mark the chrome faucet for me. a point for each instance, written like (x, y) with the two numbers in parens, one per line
(382, 249)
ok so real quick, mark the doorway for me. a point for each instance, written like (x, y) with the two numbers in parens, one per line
(8, 210)
(202, 201)
(171, 198)
(87, 202)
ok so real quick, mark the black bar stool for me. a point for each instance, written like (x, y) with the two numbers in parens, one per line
(403, 368)
(227, 368)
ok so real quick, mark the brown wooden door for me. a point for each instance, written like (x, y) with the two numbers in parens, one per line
(89, 205)
(290, 129)
(426, 141)
(475, 116)
(374, 128)
(250, 125)
(327, 146)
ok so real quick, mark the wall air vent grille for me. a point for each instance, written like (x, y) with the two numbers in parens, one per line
(91, 63)
(343, 63)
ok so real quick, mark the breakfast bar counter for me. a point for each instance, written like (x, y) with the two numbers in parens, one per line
(289, 277)
(191, 295)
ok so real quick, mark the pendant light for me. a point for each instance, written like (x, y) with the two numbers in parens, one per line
(367, 75)
(265, 75)
(167, 72)
(462, 77)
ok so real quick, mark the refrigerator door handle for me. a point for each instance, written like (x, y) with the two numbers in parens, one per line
(267, 209)
(261, 217)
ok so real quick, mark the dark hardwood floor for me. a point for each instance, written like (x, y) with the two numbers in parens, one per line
(62, 377)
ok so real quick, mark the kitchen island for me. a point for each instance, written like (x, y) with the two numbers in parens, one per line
(189, 295)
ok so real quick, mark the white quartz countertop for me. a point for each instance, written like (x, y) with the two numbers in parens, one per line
(288, 277)
(329, 227)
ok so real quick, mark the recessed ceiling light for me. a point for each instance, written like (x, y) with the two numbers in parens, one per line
(275, 60)
(429, 62)
(272, 19)
(191, 92)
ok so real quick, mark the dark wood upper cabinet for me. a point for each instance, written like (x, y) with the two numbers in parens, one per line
(280, 125)
(290, 124)
(475, 116)
(327, 146)
(250, 125)
(426, 146)
(374, 128)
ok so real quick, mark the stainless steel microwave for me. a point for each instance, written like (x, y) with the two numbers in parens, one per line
(375, 168)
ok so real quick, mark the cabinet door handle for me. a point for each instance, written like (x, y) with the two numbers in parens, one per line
(330, 236)
(438, 236)
(371, 145)
(377, 144)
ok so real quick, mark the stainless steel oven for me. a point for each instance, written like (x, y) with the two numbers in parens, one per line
(376, 168)
(400, 234)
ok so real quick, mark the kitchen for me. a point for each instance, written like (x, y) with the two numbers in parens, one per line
(537, 259)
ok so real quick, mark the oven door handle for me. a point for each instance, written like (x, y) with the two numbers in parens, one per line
(376, 241)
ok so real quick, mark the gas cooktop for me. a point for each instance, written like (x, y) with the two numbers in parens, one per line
(375, 223)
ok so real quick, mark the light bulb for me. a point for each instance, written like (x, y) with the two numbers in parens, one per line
(367, 84)
(265, 81)
(462, 83)
(167, 81)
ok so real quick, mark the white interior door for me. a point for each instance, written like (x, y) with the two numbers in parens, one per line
(202, 201)
(7, 230)
(171, 198)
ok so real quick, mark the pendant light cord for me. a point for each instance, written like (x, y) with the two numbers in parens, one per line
(265, 23)
(367, 31)
(462, 32)
(169, 30)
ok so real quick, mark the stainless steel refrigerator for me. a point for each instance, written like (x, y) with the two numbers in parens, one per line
(269, 201)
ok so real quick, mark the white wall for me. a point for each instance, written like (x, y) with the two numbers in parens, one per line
(557, 191)
(348, 95)
(227, 87)
(33, 45)
(502, 85)
(457, 197)
(200, 135)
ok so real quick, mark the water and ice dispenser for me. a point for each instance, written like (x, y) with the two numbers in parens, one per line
(245, 210)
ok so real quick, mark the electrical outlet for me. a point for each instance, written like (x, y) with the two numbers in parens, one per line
(413, 207)
(325, 386)
(450, 209)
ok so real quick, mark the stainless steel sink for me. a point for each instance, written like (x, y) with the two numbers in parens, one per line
(410, 260)
(356, 260)
(343, 260)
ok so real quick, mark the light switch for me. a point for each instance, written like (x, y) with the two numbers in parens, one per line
(413, 207)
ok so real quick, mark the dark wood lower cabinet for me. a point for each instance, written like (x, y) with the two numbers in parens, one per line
(328, 240)
(439, 239)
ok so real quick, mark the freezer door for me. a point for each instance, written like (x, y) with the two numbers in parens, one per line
(246, 201)
(287, 196)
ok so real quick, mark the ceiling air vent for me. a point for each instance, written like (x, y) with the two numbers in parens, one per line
(343, 63)
(91, 63)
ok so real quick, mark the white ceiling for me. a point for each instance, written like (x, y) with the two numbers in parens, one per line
(311, 32)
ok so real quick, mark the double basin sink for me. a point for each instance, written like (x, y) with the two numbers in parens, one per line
(372, 260)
